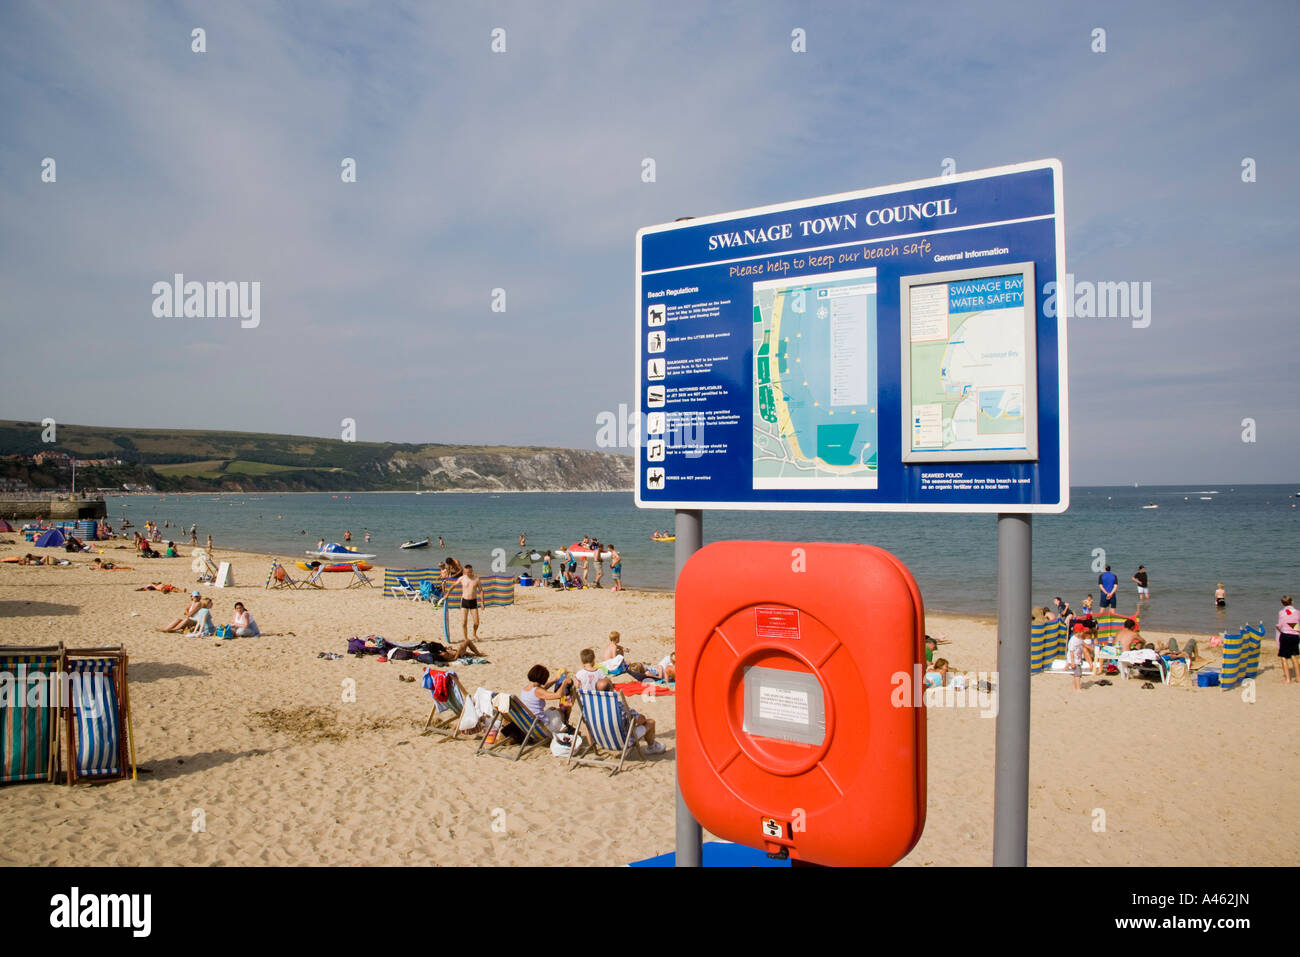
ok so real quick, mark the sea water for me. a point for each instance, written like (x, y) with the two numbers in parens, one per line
(1244, 536)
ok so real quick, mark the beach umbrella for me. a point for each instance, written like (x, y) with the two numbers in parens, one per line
(525, 557)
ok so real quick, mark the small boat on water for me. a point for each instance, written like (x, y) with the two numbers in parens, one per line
(1152, 505)
(663, 538)
(422, 543)
(335, 550)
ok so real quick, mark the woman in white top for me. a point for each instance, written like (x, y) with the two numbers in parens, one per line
(242, 623)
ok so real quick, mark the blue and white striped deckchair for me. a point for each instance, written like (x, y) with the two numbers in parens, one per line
(359, 580)
(29, 707)
(99, 715)
(454, 705)
(535, 732)
(314, 581)
(401, 588)
(607, 721)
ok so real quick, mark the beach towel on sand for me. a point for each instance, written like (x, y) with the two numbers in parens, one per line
(638, 687)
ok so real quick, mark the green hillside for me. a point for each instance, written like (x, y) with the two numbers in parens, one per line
(192, 460)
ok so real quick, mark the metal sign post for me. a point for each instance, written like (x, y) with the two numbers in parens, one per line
(1011, 755)
(689, 529)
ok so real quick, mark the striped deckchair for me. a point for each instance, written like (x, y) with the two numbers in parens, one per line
(606, 724)
(455, 704)
(286, 581)
(359, 579)
(29, 707)
(1241, 656)
(100, 743)
(314, 580)
(534, 730)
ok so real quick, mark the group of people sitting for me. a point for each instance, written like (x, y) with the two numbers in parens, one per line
(196, 622)
(148, 551)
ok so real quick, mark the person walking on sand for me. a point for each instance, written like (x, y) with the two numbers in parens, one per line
(1288, 639)
(471, 592)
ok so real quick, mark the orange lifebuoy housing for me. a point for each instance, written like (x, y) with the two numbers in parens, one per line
(790, 731)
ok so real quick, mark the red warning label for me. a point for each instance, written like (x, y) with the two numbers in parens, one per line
(775, 622)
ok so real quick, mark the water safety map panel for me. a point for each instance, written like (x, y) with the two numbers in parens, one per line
(893, 349)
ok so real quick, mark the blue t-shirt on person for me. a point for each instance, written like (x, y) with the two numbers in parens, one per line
(1108, 582)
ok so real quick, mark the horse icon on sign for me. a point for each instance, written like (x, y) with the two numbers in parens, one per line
(654, 478)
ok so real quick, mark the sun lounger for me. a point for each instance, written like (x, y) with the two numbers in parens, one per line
(29, 734)
(606, 724)
(401, 588)
(535, 732)
(359, 580)
(100, 744)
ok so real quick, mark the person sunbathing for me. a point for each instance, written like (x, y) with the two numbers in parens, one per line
(186, 620)
(639, 721)
(152, 586)
(1128, 638)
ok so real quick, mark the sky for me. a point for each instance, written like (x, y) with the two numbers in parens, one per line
(522, 171)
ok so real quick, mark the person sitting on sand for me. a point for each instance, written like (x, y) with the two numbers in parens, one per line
(638, 721)
(936, 675)
(465, 649)
(171, 550)
(203, 627)
(242, 623)
(589, 673)
(186, 620)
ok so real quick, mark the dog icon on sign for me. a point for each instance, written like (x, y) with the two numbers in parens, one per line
(656, 315)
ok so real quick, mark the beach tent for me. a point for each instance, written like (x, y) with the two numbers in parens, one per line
(51, 539)
(5, 526)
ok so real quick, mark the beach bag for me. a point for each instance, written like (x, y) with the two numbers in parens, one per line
(225, 631)
(563, 744)
(401, 654)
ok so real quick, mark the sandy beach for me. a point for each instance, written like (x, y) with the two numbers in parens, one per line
(250, 753)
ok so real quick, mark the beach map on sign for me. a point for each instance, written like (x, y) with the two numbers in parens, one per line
(815, 382)
(968, 365)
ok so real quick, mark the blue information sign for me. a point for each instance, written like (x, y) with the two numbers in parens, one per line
(879, 350)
